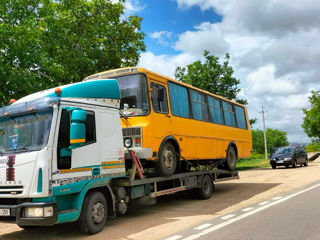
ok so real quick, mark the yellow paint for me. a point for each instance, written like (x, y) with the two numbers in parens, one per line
(112, 166)
(112, 162)
(75, 170)
(197, 139)
(82, 140)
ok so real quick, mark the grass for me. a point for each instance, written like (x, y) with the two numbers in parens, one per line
(255, 161)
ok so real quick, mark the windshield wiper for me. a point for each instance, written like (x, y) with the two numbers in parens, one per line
(122, 114)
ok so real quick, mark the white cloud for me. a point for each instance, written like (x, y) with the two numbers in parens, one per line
(275, 52)
(162, 37)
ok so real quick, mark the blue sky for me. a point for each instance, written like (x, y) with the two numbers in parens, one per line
(171, 19)
(274, 48)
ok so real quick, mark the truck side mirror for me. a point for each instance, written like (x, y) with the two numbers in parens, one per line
(78, 128)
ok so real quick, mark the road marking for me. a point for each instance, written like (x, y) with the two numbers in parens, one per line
(276, 198)
(203, 226)
(175, 237)
(227, 217)
(247, 214)
(263, 203)
(247, 209)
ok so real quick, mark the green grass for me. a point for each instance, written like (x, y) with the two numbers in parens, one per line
(255, 161)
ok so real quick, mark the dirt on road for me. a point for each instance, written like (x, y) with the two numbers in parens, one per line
(177, 212)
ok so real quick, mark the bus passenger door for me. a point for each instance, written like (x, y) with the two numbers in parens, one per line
(161, 118)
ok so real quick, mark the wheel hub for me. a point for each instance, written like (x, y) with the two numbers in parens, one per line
(168, 159)
(97, 212)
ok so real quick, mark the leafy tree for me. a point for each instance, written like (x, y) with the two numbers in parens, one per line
(212, 76)
(314, 146)
(252, 121)
(311, 120)
(44, 43)
(275, 139)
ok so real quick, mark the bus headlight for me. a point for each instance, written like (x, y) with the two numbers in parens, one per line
(128, 142)
(36, 212)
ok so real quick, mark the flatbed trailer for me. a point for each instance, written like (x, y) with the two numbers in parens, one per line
(202, 181)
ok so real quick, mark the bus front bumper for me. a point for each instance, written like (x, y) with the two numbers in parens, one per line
(31, 214)
(142, 153)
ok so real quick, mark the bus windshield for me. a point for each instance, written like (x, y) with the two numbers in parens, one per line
(134, 94)
(24, 133)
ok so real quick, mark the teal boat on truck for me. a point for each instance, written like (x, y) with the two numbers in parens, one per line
(62, 159)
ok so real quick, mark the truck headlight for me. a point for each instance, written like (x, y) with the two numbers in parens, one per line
(36, 212)
(128, 142)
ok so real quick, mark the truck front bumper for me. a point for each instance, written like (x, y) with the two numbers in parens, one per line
(18, 211)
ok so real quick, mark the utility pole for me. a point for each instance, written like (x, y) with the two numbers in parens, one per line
(264, 135)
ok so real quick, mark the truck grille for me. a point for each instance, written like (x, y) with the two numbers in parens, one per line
(13, 190)
(127, 132)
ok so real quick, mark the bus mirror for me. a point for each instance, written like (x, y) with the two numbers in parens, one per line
(77, 128)
(160, 94)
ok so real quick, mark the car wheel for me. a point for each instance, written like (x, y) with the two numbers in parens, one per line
(167, 161)
(273, 166)
(294, 164)
(94, 213)
(287, 166)
(306, 162)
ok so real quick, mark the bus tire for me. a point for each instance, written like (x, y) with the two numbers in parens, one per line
(231, 158)
(206, 188)
(167, 161)
(94, 213)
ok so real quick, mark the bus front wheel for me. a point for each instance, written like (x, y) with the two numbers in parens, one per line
(167, 161)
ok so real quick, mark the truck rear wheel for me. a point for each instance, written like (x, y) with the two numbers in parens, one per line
(93, 213)
(206, 188)
(167, 161)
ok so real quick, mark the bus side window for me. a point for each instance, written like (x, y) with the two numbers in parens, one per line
(215, 110)
(159, 98)
(241, 119)
(229, 115)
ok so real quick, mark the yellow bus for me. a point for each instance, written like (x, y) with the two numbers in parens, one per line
(167, 121)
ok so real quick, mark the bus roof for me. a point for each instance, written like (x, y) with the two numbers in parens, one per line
(130, 70)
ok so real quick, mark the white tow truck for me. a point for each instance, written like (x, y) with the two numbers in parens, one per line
(62, 160)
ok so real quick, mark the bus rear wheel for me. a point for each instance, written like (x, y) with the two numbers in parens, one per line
(230, 163)
(167, 161)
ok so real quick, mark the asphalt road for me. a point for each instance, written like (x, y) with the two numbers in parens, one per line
(295, 215)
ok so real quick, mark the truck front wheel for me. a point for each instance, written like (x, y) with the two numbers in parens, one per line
(94, 213)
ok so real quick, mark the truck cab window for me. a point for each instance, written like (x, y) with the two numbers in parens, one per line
(159, 98)
(64, 135)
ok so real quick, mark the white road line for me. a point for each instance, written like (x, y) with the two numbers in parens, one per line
(203, 226)
(247, 209)
(263, 203)
(175, 237)
(276, 198)
(227, 217)
(247, 214)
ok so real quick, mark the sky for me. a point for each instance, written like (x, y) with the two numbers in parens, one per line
(274, 47)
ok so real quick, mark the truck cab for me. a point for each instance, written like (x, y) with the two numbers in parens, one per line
(55, 147)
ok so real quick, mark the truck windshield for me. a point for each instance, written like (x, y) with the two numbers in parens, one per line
(134, 94)
(25, 133)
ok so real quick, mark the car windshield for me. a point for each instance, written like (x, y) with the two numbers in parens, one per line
(134, 94)
(284, 150)
(29, 132)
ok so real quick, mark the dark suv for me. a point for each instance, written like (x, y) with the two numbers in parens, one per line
(286, 156)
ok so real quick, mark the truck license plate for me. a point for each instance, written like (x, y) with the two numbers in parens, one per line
(4, 212)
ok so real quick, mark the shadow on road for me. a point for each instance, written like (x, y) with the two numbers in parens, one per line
(141, 217)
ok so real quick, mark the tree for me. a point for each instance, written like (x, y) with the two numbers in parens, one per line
(275, 139)
(44, 43)
(212, 76)
(311, 120)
